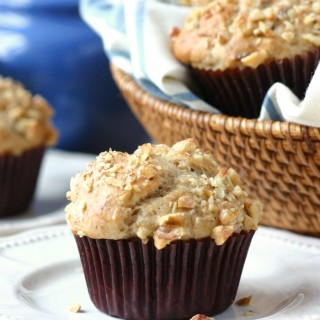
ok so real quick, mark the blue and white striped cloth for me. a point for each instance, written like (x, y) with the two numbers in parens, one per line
(135, 35)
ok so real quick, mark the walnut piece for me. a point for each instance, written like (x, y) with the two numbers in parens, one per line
(244, 302)
(166, 234)
(201, 317)
(186, 202)
(222, 233)
(312, 38)
(74, 307)
(254, 59)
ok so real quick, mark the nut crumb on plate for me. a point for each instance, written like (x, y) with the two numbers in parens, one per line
(248, 313)
(74, 307)
(201, 317)
(244, 302)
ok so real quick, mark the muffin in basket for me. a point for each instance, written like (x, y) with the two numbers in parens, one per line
(162, 233)
(25, 132)
(237, 49)
(194, 2)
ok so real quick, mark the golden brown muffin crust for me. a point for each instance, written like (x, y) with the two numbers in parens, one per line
(245, 33)
(24, 119)
(162, 193)
(195, 2)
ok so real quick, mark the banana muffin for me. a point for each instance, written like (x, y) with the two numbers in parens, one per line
(238, 49)
(193, 3)
(158, 223)
(25, 131)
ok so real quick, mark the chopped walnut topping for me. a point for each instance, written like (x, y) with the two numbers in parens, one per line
(105, 166)
(24, 119)
(88, 186)
(222, 233)
(288, 36)
(234, 28)
(223, 37)
(143, 233)
(128, 187)
(227, 217)
(253, 209)
(144, 157)
(148, 171)
(220, 193)
(108, 157)
(113, 181)
(207, 193)
(80, 234)
(316, 7)
(248, 223)
(254, 59)
(166, 234)
(34, 114)
(172, 219)
(68, 195)
(288, 26)
(24, 125)
(177, 193)
(314, 39)
(204, 43)
(257, 15)
(237, 191)
(265, 29)
(234, 176)
(82, 206)
(16, 113)
(136, 188)
(174, 206)
(114, 169)
(269, 14)
(186, 202)
(300, 8)
(194, 2)
(310, 19)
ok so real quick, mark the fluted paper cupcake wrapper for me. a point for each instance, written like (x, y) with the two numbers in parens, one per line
(132, 280)
(241, 92)
(18, 178)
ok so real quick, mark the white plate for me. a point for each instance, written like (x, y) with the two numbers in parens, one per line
(40, 275)
(50, 196)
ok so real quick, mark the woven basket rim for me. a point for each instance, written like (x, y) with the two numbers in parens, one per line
(281, 159)
(250, 127)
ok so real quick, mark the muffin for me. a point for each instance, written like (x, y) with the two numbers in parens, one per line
(237, 49)
(162, 233)
(25, 132)
(193, 3)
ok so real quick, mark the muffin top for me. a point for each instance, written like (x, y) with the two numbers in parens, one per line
(194, 2)
(160, 192)
(24, 119)
(228, 34)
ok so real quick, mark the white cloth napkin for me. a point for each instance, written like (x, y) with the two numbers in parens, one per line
(281, 104)
(135, 34)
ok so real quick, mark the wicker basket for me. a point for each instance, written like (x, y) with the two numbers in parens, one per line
(279, 161)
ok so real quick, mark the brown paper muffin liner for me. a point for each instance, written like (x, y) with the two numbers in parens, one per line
(18, 177)
(241, 92)
(132, 280)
